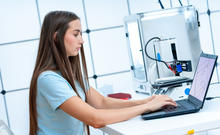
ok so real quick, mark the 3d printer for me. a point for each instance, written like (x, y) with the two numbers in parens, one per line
(163, 47)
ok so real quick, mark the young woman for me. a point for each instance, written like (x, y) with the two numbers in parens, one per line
(60, 99)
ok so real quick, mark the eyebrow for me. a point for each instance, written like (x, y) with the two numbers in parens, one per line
(77, 30)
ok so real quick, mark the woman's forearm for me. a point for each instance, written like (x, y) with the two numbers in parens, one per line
(110, 103)
(108, 116)
(98, 101)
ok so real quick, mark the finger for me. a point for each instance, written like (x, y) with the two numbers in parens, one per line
(171, 103)
(169, 99)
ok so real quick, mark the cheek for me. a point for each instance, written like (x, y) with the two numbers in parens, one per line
(69, 42)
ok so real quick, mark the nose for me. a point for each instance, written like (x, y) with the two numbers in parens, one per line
(81, 40)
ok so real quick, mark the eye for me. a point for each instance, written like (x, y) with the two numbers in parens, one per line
(75, 35)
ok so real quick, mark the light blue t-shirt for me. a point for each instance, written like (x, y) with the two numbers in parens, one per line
(52, 91)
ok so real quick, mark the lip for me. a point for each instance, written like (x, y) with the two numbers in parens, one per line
(78, 48)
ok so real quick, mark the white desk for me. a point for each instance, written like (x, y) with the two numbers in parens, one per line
(207, 118)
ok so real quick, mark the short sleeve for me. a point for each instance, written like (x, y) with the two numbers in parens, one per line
(54, 88)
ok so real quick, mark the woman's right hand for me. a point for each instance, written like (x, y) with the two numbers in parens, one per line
(159, 101)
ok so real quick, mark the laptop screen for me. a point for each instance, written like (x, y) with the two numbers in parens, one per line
(202, 77)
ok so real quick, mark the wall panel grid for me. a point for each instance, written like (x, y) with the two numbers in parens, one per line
(105, 44)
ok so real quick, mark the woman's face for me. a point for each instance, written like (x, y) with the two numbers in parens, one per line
(73, 38)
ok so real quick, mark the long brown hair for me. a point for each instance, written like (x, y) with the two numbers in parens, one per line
(52, 56)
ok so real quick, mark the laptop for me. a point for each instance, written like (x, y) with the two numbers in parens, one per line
(198, 91)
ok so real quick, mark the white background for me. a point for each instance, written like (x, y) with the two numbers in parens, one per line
(105, 45)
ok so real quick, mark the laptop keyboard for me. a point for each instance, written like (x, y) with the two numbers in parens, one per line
(171, 108)
(174, 108)
(180, 106)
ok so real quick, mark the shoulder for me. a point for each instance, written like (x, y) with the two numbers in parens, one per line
(52, 78)
(48, 73)
(49, 76)
(52, 81)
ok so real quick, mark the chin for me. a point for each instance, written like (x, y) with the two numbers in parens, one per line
(75, 54)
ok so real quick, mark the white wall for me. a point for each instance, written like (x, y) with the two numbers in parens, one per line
(105, 45)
